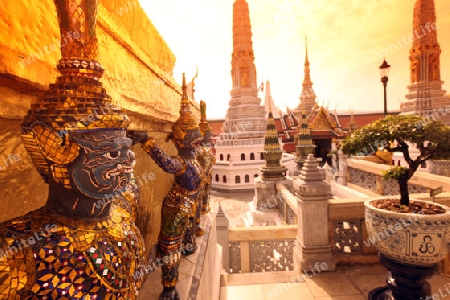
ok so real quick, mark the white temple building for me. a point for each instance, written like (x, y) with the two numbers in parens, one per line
(241, 142)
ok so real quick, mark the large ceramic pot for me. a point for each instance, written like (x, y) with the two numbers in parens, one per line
(413, 239)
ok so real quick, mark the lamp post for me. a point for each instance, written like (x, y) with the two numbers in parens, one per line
(384, 73)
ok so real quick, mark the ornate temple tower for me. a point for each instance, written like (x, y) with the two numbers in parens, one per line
(273, 170)
(425, 96)
(305, 144)
(245, 105)
(241, 142)
(307, 97)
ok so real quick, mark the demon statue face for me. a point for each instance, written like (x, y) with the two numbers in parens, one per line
(105, 164)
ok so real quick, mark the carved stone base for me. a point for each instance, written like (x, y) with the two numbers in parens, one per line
(404, 282)
(307, 259)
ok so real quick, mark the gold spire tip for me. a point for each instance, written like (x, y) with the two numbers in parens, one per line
(184, 88)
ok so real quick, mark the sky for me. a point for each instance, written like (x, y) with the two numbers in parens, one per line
(347, 41)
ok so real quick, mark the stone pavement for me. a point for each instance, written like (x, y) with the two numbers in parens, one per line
(241, 210)
(349, 282)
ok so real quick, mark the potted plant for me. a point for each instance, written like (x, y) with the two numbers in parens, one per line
(411, 235)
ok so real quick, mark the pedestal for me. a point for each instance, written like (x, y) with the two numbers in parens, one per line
(313, 243)
(404, 282)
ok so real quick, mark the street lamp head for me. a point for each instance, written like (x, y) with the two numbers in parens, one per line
(384, 73)
(384, 69)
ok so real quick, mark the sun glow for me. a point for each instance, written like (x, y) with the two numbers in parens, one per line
(347, 41)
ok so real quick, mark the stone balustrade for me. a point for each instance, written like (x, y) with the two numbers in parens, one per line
(230, 141)
(261, 249)
(440, 167)
(288, 207)
(368, 175)
(345, 221)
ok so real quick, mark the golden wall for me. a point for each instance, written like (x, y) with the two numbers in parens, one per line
(138, 77)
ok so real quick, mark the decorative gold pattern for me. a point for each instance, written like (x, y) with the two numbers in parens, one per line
(186, 122)
(77, 101)
(322, 121)
(273, 170)
(70, 258)
(76, 247)
(203, 125)
(78, 17)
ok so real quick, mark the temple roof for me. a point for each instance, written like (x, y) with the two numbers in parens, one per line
(324, 120)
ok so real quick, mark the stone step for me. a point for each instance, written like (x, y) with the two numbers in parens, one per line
(258, 278)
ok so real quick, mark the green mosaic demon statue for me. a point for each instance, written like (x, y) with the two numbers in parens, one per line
(206, 157)
(83, 244)
(179, 206)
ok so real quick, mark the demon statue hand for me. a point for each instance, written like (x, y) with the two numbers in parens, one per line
(83, 243)
(206, 157)
(179, 205)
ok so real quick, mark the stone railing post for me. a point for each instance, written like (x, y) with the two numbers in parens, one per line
(264, 192)
(313, 247)
(380, 184)
(222, 226)
(342, 180)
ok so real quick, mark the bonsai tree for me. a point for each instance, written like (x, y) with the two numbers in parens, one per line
(397, 134)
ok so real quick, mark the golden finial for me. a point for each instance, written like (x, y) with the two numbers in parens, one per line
(186, 121)
(306, 47)
(184, 88)
(193, 83)
(204, 126)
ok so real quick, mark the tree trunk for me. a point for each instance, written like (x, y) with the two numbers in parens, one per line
(404, 194)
